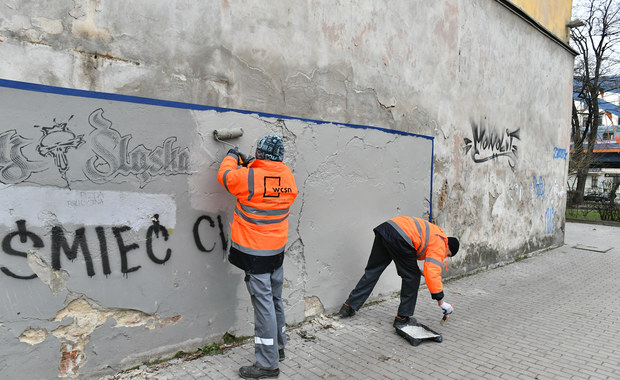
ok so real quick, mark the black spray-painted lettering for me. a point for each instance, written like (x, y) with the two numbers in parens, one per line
(222, 235)
(60, 244)
(103, 249)
(196, 231)
(156, 228)
(124, 249)
(59, 241)
(24, 235)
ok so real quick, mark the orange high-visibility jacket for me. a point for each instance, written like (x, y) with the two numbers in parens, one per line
(430, 244)
(265, 190)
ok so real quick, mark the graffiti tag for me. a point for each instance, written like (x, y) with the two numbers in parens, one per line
(96, 243)
(549, 216)
(539, 186)
(488, 144)
(111, 155)
(15, 167)
(559, 154)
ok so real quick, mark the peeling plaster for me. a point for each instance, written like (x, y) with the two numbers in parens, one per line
(443, 195)
(313, 306)
(87, 316)
(47, 25)
(77, 11)
(87, 28)
(33, 336)
(424, 121)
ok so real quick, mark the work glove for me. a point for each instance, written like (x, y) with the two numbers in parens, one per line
(447, 308)
(234, 151)
(245, 160)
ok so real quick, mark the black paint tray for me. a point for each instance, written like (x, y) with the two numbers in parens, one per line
(415, 333)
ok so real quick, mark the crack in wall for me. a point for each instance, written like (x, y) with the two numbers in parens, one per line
(109, 57)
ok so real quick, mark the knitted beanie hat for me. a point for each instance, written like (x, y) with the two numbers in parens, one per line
(270, 148)
(453, 244)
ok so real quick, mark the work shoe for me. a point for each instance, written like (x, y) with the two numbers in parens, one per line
(281, 353)
(403, 321)
(346, 311)
(253, 372)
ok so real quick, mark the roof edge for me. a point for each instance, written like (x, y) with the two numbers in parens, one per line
(527, 18)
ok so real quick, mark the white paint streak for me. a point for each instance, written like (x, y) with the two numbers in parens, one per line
(52, 278)
(418, 332)
(40, 206)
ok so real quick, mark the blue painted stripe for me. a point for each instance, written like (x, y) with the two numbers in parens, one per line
(168, 103)
(430, 214)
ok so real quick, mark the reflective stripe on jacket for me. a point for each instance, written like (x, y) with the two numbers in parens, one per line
(430, 244)
(265, 190)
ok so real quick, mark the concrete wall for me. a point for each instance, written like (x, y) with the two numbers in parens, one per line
(491, 91)
(114, 228)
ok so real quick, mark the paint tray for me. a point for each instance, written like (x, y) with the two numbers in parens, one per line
(416, 333)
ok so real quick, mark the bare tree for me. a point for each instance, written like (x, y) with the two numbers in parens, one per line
(598, 42)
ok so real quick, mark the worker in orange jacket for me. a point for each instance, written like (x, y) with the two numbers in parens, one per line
(405, 240)
(265, 189)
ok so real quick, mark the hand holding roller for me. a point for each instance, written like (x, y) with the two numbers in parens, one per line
(226, 134)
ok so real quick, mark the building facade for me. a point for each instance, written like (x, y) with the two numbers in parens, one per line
(115, 230)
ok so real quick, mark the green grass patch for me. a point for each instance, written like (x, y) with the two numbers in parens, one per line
(215, 348)
(578, 214)
(520, 258)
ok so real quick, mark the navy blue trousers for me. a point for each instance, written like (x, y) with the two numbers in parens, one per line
(383, 252)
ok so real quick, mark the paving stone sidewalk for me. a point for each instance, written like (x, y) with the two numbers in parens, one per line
(554, 315)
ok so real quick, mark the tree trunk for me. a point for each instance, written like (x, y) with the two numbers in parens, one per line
(582, 176)
(612, 192)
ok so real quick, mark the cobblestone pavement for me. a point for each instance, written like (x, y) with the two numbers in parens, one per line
(554, 315)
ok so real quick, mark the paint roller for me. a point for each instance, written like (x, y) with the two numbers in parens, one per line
(227, 134)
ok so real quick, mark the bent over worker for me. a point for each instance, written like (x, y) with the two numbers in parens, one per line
(405, 240)
(265, 189)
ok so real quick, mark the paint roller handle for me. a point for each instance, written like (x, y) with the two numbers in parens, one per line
(445, 318)
(446, 307)
(447, 310)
